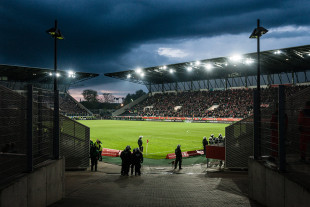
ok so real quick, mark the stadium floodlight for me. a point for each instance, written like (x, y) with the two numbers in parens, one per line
(171, 71)
(257, 33)
(197, 63)
(129, 76)
(277, 52)
(164, 67)
(138, 70)
(249, 61)
(142, 74)
(208, 66)
(226, 64)
(55, 33)
(57, 74)
(235, 58)
(50, 74)
(71, 74)
(189, 69)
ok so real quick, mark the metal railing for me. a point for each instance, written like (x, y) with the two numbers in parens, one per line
(239, 143)
(281, 141)
(13, 134)
(26, 134)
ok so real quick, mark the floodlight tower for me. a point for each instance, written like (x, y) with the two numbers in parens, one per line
(55, 33)
(257, 33)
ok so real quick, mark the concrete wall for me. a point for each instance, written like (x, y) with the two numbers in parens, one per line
(42, 187)
(271, 188)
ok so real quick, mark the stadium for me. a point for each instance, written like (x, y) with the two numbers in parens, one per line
(185, 102)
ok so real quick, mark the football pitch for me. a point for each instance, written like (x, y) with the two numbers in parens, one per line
(163, 137)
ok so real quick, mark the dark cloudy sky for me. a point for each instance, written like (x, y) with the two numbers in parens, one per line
(109, 35)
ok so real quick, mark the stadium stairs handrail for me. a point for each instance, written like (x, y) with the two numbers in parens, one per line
(122, 110)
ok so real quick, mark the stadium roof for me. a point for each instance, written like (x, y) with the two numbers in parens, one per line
(294, 59)
(40, 75)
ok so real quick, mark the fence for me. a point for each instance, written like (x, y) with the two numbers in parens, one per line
(13, 139)
(285, 140)
(282, 138)
(239, 143)
(26, 144)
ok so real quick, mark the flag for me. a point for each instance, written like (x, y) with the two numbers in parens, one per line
(147, 141)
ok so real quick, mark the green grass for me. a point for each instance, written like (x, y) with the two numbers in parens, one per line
(163, 136)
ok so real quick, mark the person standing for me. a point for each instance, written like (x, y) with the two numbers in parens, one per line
(204, 143)
(210, 140)
(178, 157)
(140, 143)
(94, 156)
(132, 160)
(137, 160)
(126, 160)
(99, 147)
(220, 138)
(304, 128)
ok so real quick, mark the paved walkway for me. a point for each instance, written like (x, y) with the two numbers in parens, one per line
(194, 185)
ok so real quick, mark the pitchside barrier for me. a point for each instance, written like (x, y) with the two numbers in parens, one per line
(25, 144)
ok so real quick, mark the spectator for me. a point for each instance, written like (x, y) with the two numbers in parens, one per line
(178, 157)
(94, 156)
(204, 143)
(126, 160)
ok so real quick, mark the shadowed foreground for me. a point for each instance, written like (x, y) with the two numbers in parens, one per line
(158, 186)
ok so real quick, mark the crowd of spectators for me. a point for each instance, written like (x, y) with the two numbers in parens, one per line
(231, 103)
(69, 107)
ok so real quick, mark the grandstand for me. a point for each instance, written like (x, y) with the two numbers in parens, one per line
(231, 103)
(216, 88)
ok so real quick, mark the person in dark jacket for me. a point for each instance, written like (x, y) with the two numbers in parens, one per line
(137, 160)
(132, 160)
(140, 143)
(126, 160)
(94, 156)
(204, 143)
(220, 138)
(178, 157)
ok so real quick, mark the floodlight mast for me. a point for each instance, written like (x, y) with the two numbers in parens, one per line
(259, 31)
(55, 33)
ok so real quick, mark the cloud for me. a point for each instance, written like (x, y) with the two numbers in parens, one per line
(290, 28)
(170, 52)
(110, 36)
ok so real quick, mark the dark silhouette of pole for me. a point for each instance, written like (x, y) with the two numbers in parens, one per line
(55, 33)
(258, 96)
(259, 31)
(56, 101)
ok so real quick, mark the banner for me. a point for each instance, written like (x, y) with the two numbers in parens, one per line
(148, 118)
